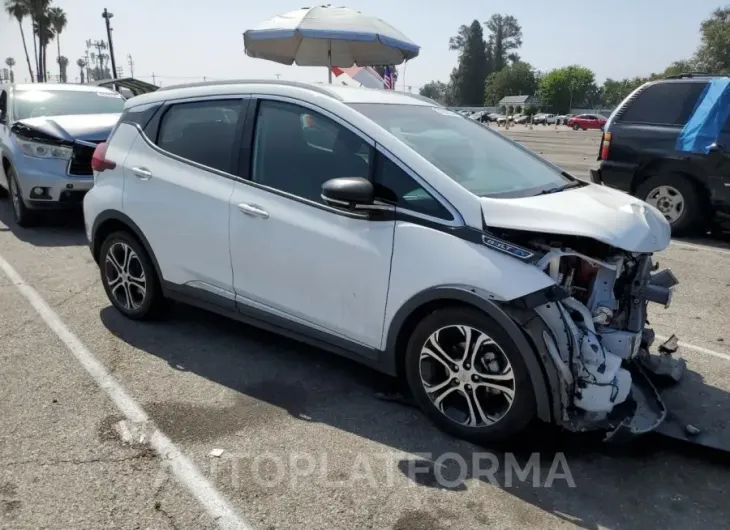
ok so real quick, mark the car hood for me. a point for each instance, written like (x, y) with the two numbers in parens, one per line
(598, 212)
(88, 127)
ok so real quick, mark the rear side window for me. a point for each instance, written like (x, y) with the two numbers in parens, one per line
(201, 132)
(664, 104)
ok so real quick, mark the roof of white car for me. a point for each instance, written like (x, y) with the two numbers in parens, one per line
(69, 87)
(342, 93)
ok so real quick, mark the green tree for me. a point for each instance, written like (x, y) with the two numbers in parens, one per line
(563, 88)
(63, 67)
(714, 51)
(81, 63)
(435, 90)
(505, 36)
(43, 31)
(58, 21)
(468, 79)
(514, 80)
(11, 63)
(18, 9)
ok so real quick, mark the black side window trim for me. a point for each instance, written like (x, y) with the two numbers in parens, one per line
(151, 133)
(377, 163)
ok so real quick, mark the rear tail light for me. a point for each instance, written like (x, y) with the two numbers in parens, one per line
(605, 146)
(98, 160)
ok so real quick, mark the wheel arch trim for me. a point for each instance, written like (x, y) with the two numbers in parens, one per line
(116, 215)
(479, 300)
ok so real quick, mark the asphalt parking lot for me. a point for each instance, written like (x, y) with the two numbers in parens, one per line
(305, 443)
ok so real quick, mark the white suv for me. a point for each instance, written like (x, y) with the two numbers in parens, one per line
(383, 227)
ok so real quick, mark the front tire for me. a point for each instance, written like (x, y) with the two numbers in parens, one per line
(129, 279)
(23, 216)
(468, 376)
(576, 127)
(678, 199)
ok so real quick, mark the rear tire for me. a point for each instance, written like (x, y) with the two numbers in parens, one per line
(481, 390)
(129, 279)
(678, 198)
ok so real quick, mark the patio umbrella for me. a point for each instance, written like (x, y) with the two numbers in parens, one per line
(329, 36)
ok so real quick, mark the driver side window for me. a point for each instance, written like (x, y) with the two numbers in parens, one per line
(296, 150)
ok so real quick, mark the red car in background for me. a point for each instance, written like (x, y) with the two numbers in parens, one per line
(587, 121)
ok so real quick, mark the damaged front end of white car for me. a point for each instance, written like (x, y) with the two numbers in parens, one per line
(591, 329)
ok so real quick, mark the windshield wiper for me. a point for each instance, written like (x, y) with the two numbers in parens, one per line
(574, 184)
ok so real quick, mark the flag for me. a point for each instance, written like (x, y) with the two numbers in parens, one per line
(389, 79)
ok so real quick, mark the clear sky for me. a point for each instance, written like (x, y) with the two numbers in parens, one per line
(182, 41)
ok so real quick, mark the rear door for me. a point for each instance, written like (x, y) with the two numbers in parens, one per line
(718, 171)
(178, 181)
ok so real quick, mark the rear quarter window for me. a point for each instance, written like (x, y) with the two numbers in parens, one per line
(664, 104)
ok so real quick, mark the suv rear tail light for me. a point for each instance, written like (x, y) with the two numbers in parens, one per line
(98, 160)
(605, 146)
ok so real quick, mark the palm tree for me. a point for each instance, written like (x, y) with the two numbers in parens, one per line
(81, 63)
(38, 10)
(18, 9)
(57, 17)
(62, 66)
(11, 62)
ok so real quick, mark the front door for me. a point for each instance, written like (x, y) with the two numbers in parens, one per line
(293, 256)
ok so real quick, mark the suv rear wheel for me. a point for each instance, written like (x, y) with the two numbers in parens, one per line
(677, 198)
(468, 376)
(129, 279)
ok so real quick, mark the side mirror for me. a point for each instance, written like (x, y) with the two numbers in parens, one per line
(348, 192)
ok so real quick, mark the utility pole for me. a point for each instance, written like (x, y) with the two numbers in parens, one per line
(106, 15)
(131, 64)
(153, 78)
(278, 76)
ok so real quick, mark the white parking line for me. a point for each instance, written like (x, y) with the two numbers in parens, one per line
(697, 246)
(699, 349)
(181, 466)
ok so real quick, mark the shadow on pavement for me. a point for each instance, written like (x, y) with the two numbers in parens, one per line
(53, 229)
(651, 483)
(717, 239)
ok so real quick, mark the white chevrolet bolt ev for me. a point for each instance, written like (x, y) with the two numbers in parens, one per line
(383, 227)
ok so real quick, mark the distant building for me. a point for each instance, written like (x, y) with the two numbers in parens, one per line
(518, 101)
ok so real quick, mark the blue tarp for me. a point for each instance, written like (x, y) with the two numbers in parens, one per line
(708, 119)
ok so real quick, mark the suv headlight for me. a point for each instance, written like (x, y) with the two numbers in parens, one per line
(43, 150)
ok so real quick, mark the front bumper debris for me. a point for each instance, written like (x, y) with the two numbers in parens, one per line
(649, 410)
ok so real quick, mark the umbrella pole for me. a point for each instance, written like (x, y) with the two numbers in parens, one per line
(329, 61)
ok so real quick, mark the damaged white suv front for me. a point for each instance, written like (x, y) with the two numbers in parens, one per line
(561, 272)
(593, 322)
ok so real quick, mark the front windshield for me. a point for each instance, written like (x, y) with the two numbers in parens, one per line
(481, 160)
(37, 103)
